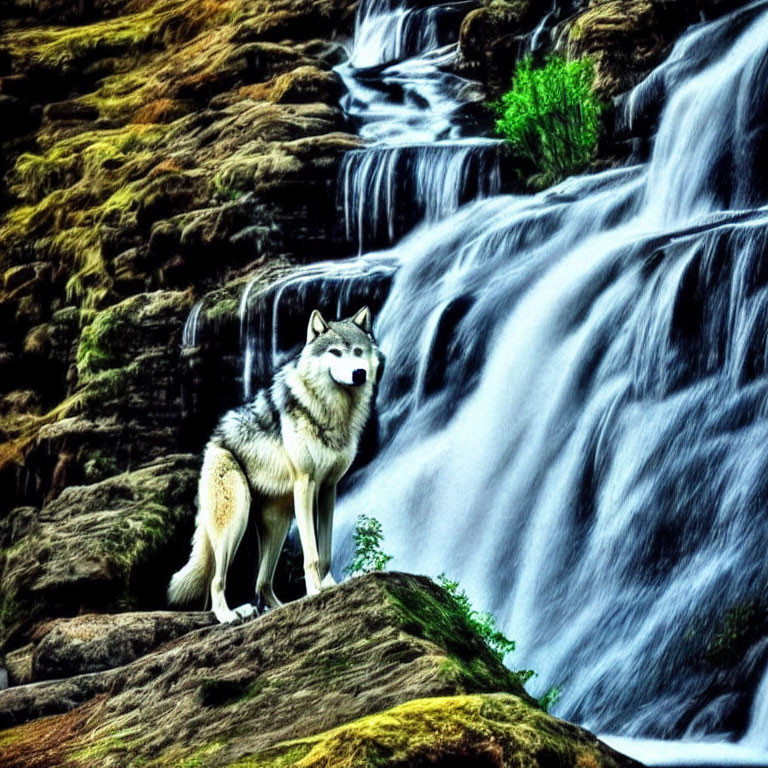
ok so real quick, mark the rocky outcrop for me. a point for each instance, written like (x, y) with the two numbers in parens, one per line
(383, 670)
(90, 548)
(95, 642)
(141, 141)
(491, 39)
(625, 38)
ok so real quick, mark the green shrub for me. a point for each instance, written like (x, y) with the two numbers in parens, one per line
(368, 553)
(551, 117)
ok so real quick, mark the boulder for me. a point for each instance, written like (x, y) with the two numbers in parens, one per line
(383, 670)
(94, 642)
(90, 547)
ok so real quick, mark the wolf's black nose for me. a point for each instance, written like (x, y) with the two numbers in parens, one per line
(358, 376)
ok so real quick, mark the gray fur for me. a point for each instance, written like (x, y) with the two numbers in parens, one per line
(287, 448)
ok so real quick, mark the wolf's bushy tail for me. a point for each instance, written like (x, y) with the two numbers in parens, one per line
(192, 581)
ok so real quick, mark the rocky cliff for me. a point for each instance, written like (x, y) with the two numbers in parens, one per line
(380, 671)
(154, 152)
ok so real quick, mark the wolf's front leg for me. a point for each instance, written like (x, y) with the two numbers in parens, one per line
(326, 501)
(303, 499)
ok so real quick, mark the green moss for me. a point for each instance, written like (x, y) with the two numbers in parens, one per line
(9, 612)
(98, 465)
(738, 628)
(98, 157)
(434, 615)
(136, 538)
(496, 729)
(110, 743)
(222, 311)
(80, 184)
(161, 23)
(102, 344)
(281, 756)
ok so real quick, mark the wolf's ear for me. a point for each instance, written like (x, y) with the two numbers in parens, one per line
(316, 326)
(363, 319)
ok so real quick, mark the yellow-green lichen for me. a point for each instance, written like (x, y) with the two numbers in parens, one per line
(426, 731)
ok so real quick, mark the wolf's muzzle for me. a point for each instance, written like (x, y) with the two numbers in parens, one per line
(358, 376)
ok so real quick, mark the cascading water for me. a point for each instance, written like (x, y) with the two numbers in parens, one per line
(574, 415)
(422, 161)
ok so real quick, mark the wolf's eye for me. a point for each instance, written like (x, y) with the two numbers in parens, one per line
(336, 352)
(357, 351)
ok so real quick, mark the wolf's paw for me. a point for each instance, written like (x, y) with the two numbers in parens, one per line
(226, 616)
(328, 581)
(246, 611)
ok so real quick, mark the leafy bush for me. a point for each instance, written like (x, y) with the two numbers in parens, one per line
(551, 117)
(368, 553)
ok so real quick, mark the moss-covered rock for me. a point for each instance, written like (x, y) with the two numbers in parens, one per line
(493, 730)
(628, 38)
(344, 678)
(116, 335)
(145, 146)
(91, 547)
(489, 39)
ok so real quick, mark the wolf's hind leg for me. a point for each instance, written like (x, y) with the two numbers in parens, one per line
(273, 523)
(226, 499)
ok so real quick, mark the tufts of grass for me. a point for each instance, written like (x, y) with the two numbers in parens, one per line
(481, 622)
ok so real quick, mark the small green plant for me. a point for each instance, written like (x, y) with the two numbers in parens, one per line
(737, 629)
(550, 698)
(368, 553)
(499, 644)
(551, 117)
(483, 623)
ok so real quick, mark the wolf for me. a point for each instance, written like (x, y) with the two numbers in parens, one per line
(283, 454)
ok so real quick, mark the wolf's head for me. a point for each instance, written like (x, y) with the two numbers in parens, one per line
(343, 350)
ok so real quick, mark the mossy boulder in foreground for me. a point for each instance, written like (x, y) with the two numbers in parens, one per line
(380, 671)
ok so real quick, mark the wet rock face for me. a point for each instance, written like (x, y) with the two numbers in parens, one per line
(146, 146)
(106, 546)
(626, 38)
(491, 38)
(282, 687)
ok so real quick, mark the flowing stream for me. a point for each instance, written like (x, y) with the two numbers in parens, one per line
(574, 416)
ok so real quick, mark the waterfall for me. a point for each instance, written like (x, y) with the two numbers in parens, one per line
(423, 160)
(574, 415)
